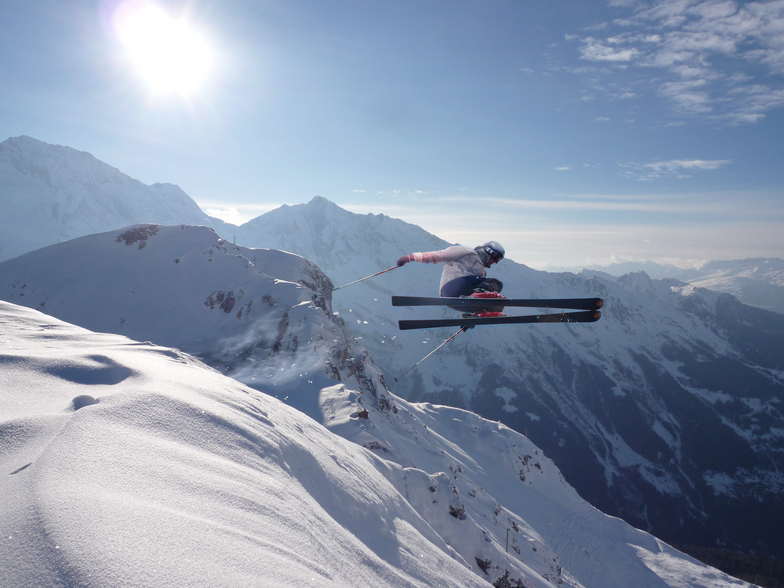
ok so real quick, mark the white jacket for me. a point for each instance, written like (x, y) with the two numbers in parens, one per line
(460, 261)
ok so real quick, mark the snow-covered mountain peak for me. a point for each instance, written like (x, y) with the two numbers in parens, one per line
(54, 193)
(55, 165)
(637, 282)
(334, 238)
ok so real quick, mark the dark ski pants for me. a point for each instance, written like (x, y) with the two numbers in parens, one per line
(466, 285)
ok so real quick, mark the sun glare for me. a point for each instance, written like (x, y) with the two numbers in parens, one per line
(172, 57)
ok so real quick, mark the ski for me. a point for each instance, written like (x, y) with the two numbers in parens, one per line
(477, 303)
(587, 316)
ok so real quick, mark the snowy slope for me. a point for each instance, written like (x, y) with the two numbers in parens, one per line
(129, 464)
(667, 412)
(50, 193)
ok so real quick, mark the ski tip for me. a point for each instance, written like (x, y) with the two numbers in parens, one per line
(599, 304)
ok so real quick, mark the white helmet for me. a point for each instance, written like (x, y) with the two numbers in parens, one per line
(494, 251)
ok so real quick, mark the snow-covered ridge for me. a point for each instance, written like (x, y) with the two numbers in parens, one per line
(258, 315)
(130, 464)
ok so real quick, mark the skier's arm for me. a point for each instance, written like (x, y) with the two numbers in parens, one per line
(449, 254)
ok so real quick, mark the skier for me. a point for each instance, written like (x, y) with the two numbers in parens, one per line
(466, 288)
(465, 269)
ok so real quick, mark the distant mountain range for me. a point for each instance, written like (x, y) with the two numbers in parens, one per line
(666, 413)
(756, 282)
(53, 193)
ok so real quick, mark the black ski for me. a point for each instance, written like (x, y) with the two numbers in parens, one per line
(477, 303)
(588, 316)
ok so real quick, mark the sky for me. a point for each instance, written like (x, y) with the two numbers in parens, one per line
(572, 132)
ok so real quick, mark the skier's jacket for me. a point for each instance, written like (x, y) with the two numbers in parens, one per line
(460, 261)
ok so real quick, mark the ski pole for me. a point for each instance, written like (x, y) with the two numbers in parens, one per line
(367, 278)
(432, 352)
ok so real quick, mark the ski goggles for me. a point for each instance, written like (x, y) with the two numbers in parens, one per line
(496, 256)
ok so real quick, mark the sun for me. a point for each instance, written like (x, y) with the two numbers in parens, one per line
(170, 55)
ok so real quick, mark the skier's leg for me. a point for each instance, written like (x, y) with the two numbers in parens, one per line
(463, 286)
(489, 285)
(472, 285)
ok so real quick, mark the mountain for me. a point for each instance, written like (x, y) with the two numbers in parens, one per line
(130, 464)
(50, 193)
(244, 311)
(756, 282)
(665, 413)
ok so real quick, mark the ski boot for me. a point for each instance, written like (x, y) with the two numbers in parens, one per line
(485, 312)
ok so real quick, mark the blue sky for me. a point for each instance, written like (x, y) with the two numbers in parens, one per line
(573, 132)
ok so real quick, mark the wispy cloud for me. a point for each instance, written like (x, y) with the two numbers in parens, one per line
(699, 46)
(598, 203)
(594, 50)
(677, 168)
(688, 96)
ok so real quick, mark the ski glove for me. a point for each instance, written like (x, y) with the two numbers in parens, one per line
(418, 257)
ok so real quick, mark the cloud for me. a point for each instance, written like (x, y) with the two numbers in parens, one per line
(678, 164)
(624, 3)
(699, 46)
(563, 168)
(594, 50)
(677, 168)
(599, 203)
(687, 96)
(751, 103)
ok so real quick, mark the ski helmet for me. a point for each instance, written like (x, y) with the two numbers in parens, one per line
(494, 251)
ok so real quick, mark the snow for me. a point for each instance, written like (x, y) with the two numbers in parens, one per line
(180, 476)
(130, 464)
